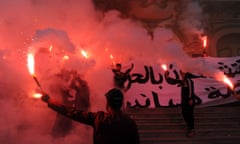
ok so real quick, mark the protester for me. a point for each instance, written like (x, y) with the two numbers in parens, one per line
(236, 93)
(110, 127)
(237, 96)
(121, 77)
(187, 99)
(74, 91)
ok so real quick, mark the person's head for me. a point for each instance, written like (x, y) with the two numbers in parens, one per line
(118, 66)
(114, 98)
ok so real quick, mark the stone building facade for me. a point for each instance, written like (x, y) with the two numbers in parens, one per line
(190, 20)
(223, 27)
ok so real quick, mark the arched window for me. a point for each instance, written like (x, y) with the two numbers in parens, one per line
(228, 45)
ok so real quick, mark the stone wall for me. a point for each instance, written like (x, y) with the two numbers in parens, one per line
(188, 19)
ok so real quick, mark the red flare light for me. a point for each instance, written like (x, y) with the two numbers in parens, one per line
(50, 48)
(228, 82)
(164, 67)
(112, 59)
(204, 39)
(111, 56)
(66, 57)
(31, 68)
(37, 95)
(31, 63)
(84, 53)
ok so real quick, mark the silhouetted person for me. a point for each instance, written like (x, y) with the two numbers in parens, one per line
(237, 96)
(187, 100)
(236, 92)
(121, 77)
(110, 127)
(62, 125)
(75, 93)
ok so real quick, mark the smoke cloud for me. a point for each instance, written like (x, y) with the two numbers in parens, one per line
(191, 19)
(57, 32)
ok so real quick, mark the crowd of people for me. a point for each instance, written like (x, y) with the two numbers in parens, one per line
(113, 126)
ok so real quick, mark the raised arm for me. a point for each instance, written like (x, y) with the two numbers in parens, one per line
(70, 112)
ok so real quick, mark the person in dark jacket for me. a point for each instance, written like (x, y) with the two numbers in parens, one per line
(236, 91)
(187, 99)
(237, 96)
(121, 77)
(110, 127)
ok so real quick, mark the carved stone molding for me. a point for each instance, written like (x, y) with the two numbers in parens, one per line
(223, 18)
(222, 9)
(219, 15)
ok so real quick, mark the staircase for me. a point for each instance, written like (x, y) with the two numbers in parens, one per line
(213, 125)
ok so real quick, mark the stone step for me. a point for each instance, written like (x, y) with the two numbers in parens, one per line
(194, 140)
(219, 120)
(213, 125)
(175, 110)
(224, 113)
(217, 126)
(180, 132)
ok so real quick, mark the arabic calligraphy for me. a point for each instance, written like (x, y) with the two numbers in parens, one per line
(230, 70)
(151, 75)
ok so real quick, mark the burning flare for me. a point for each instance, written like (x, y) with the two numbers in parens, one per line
(111, 56)
(204, 39)
(84, 53)
(112, 59)
(228, 82)
(164, 67)
(37, 95)
(66, 57)
(31, 63)
(50, 48)
(31, 70)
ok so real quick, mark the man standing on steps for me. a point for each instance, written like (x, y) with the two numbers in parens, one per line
(187, 99)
